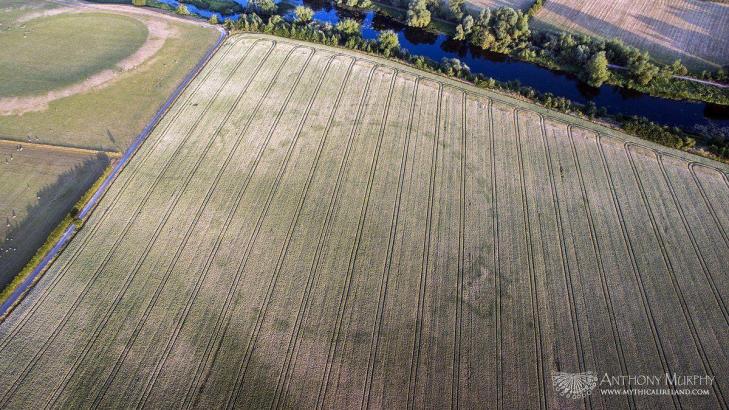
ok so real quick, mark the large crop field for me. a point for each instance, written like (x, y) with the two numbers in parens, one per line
(695, 31)
(310, 226)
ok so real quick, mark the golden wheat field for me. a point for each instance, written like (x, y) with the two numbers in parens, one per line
(313, 227)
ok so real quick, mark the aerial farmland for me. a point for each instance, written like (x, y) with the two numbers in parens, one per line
(309, 226)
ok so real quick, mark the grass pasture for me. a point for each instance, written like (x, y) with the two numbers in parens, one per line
(43, 54)
(39, 187)
(697, 32)
(311, 226)
(108, 89)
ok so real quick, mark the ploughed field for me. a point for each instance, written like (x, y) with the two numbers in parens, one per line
(311, 226)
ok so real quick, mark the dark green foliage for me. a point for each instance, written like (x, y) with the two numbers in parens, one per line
(388, 41)
(218, 6)
(597, 69)
(503, 31)
(304, 14)
(263, 7)
(418, 14)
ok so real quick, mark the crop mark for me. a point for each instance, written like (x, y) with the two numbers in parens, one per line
(309, 180)
(108, 257)
(711, 209)
(455, 389)
(497, 261)
(415, 357)
(697, 250)
(377, 328)
(634, 264)
(161, 285)
(326, 228)
(566, 270)
(530, 257)
(355, 248)
(274, 278)
(664, 252)
(598, 257)
(102, 218)
(213, 253)
(327, 366)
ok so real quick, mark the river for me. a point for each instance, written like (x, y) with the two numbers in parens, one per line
(615, 100)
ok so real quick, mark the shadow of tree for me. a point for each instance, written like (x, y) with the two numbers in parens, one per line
(24, 238)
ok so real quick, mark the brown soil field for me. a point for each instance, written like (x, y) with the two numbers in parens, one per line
(310, 227)
(695, 31)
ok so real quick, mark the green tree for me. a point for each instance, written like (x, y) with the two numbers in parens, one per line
(418, 14)
(182, 10)
(213, 19)
(348, 27)
(678, 69)
(388, 41)
(265, 7)
(139, 2)
(597, 69)
(304, 14)
(456, 8)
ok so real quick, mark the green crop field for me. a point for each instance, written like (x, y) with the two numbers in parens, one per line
(39, 186)
(310, 226)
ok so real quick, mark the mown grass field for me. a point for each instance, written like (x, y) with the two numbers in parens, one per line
(43, 54)
(102, 117)
(697, 32)
(39, 186)
(310, 226)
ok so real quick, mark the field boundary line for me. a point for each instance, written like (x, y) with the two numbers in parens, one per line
(415, 354)
(116, 244)
(672, 274)
(533, 292)
(634, 264)
(374, 341)
(310, 177)
(456, 378)
(346, 289)
(326, 227)
(193, 297)
(62, 148)
(598, 256)
(711, 209)
(16, 297)
(694, 244)
(143, 258)
(173, 264)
